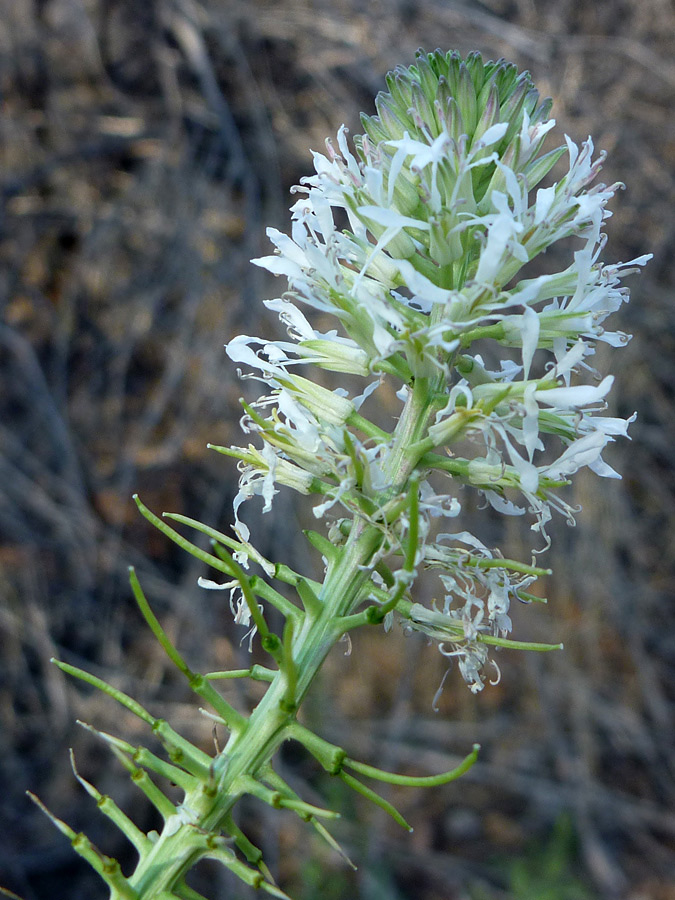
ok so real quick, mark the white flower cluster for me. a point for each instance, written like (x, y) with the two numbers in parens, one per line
(418, 243)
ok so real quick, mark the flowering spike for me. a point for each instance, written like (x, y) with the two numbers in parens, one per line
(427, 282)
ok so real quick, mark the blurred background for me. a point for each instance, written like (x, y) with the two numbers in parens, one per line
(144, 147)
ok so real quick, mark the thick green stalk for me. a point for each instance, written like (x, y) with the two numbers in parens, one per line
(207, 807)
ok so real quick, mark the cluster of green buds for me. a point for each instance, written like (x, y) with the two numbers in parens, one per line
(417, 239)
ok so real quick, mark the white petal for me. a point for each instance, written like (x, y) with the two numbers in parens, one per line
(582, 452)
(358, 401)
(603, 469)
(268, 490)
(611, 425)
(421, 285)
(579, 395)
(502, 505)
(531, 422)
(542, 206)
(214, 585)
(391, 218)
(278, 265)
(530, 335)
(493, 134)
(291, 316)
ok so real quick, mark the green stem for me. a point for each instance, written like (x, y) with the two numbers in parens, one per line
(305, 647)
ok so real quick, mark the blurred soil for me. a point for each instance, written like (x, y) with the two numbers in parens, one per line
(144, 147)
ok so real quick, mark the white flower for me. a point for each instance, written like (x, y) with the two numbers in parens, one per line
(443, 213)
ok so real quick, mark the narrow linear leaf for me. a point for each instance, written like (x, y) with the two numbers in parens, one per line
(122, 698)
(412, 780)
(110, 809)
(108, 868)
(375, 798)
(146, 760)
